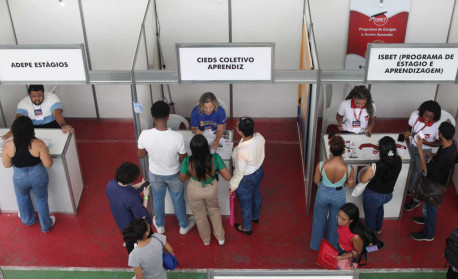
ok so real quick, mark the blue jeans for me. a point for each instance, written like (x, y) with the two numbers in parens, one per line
(250, 197)
(33, 179)
(417, 168)
(159, 183)
(373, 208)
(328, 201)
(430, 213)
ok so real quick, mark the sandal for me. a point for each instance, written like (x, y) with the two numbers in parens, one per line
(239, 227)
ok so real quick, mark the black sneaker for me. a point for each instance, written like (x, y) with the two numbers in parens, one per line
(420, 236)
(411, 205)
(419, 220)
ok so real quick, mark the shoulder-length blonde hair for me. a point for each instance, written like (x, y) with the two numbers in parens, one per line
(207, 97)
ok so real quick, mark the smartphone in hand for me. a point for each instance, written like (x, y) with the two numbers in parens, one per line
(401, 137)
(145, 184)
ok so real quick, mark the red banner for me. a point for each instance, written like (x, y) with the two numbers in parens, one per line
(374, 21)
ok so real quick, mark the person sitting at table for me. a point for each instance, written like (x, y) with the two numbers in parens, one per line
(330, 196)
(357, 113)
(44, 109)
(380, 188)
(29, 158)
(423, 122)
(208, 115)
(202, 188)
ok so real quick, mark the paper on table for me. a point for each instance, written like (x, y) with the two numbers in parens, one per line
(187, 145)
(49, 142)
(210, 136)
(225, 149)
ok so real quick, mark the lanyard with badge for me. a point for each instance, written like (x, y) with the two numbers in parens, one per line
(356, 123)
(421, 129)
(38, 114)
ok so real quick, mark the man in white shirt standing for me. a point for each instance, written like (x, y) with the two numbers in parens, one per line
(165, 149)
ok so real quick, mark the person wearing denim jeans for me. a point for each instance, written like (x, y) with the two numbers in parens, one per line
(381, 178)
(423, 123)
(29, 157)
(248, 157)
(165, 150)
(439, 169)
(330, 177)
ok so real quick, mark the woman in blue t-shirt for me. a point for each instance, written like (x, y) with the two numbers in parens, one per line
(208, 115)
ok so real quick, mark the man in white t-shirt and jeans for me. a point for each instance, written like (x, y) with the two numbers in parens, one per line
(165, 149)
(424, 123)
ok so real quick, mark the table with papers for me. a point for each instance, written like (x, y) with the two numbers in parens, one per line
(361, 151)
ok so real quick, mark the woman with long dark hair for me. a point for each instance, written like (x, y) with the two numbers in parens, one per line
(29, 157)
(331, 177)
(380, 189)
(357, 113)
(202, 188)
(146, 258)
(351, 232)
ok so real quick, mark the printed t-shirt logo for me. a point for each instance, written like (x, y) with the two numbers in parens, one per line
(202, 123)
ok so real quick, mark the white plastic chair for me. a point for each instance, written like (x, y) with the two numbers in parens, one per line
(338, 93)
(445, 116)
(223, 105)
(175, 121)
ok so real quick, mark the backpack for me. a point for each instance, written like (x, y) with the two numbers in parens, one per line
(451, 249)
(370, 239)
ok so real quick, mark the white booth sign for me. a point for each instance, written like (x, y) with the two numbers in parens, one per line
(43, 64)
(412, 63)
(251, 62)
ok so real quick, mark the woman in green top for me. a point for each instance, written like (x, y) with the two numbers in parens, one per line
(202, 189)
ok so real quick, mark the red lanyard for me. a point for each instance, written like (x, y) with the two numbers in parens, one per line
(421, 129)
(360, 111)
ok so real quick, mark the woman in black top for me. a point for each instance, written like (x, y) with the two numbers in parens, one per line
(29, 157)
(380, 189)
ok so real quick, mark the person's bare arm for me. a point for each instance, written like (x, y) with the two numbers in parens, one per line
(182, 156)
(317, 176)
(358, 248)
(436, 143)
(225, 174)
(6, 158)
(168, 247)
(219, 135)
(370, 126)
(196, 130)
(339, 121)
(367, 175)
(351, 178)
(420, 152)
(57, 113)
(9, 134)
(141, 153)
(45, 157)
(138, 272)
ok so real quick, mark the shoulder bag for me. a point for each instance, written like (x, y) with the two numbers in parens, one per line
(169, 261)
(360, 187)
(428, 191)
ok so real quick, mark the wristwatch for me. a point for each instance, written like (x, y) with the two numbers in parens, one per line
(63, 124)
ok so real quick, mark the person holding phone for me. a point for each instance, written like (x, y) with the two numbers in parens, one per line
(423, 123)
(357, 113)
(124, 197)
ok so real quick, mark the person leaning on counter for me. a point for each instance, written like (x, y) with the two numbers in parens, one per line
(208, 115)
(357, 113)
(44, 109)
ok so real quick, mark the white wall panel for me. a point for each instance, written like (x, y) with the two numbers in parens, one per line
(330, 22)
(6, 30)
(184, 21)
(272, 21)
(265, 100)
(114, 101)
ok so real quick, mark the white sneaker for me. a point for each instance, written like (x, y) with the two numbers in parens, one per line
(53, 219)
(221, 242)
(160, 230)
(19, 215)
(206, 244)
(191, 224)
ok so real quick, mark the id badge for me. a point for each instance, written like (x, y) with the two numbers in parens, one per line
(356, 124)
(38, 114)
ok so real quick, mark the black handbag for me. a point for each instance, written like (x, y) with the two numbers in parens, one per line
(428, 191)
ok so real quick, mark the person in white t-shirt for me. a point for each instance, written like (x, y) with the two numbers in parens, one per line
(424, 123)
(165, 149)
(357, 113)
(44, 109)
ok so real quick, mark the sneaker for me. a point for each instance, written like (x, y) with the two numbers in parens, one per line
(160, 230)
(419, 220)
(191, 224)
(221, 242)
(411, 205)
(420, 236)
(53, 219)
(206, 244)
